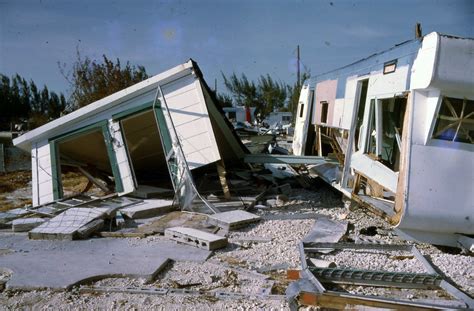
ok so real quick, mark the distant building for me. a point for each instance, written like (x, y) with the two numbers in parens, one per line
(240, 114)
(279, 118)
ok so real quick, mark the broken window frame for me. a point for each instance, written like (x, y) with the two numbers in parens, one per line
(56, 162)
(455, 119)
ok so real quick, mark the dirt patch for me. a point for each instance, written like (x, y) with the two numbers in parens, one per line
(14, 190)
(75, 182)
(10, 182)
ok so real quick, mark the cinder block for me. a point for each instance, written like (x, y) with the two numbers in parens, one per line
(196, 238)
(233, 219)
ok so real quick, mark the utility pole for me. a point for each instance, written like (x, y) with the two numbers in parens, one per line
(215, 85)
(298, 65)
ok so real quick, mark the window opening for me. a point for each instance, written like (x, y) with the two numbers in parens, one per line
(232, 115)
(311, 132)
(455, 121)
(385, 130)
(361, 109)
(301, 110)
(80, 158)
(389, 67)
(145, 150)
(324, 112)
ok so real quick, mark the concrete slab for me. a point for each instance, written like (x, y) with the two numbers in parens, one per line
(233, 219)
(65, 225)
(148, 208)
(56, 264)
(26, 224)
(196, 238)
(146, 192)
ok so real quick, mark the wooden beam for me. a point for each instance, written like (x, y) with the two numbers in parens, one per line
(222, 178)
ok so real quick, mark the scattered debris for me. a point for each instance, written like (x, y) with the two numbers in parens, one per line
(310, 290)
(326, 230)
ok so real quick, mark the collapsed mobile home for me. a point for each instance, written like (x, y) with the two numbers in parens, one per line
(148, 134)
(401, 125)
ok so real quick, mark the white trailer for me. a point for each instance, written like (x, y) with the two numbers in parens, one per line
(401, 125)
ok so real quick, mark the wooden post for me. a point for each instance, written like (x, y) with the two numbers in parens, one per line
(222, 173)
(320, 148)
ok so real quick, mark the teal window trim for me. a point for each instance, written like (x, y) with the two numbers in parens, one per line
(132, 111)
(55, 160)
(55, 171)
(167, 143)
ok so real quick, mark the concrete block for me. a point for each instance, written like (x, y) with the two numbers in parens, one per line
(148, 208)
(196, 238)
(233, 219)
(26, 224)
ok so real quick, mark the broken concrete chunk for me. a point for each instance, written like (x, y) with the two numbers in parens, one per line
(326, 230)
(146, 192)
(26, 224)
(196, 238)
(319, 263)
(148, 208)
(233, 219)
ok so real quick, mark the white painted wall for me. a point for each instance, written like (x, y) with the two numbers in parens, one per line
(44, 174)
(302, 123)
(350, 101)
(190, 117)
(440, 176)
(338, 113)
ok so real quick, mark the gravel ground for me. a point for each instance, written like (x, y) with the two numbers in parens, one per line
(234, 268)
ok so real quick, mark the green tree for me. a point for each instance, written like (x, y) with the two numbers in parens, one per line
(21, 101)
(92, 80)
(243, 91)
(224, 100)
(267, 95)
(272, 94)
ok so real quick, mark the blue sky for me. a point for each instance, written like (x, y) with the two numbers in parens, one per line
(251, 37)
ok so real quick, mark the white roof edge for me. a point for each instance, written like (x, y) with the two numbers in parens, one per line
(102, 104)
